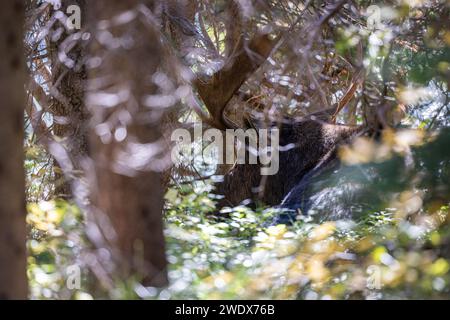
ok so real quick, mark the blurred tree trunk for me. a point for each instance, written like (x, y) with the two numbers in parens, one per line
(124, 132)
(13, 279)
(68, 87)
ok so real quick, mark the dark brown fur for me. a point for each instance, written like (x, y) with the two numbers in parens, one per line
(316, 143)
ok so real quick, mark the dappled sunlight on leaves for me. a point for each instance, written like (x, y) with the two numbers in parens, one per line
(378, 257)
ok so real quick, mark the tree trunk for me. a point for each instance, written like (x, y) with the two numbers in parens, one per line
(68, 87)
(13, 279)
(124, 188)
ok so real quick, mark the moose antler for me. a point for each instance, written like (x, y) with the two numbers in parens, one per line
(243, 57)
(217, 90)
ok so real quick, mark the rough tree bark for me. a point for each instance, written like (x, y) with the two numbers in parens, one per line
(130, 194)
(13, 279)
(68, 87)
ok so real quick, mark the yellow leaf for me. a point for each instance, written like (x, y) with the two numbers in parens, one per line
(439, 268)
(323, 231)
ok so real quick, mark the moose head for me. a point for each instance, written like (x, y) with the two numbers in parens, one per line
(306, 144)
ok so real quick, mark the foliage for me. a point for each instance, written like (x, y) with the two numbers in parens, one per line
(55, 245)
(242, 259)
(398, 246)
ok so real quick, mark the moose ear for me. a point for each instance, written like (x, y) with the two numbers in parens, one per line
(230, 124)
(250, 123)
(256, 121)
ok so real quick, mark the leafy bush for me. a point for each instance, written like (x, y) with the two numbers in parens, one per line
(401, 251)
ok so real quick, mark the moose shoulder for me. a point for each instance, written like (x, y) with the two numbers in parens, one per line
(308, 146)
